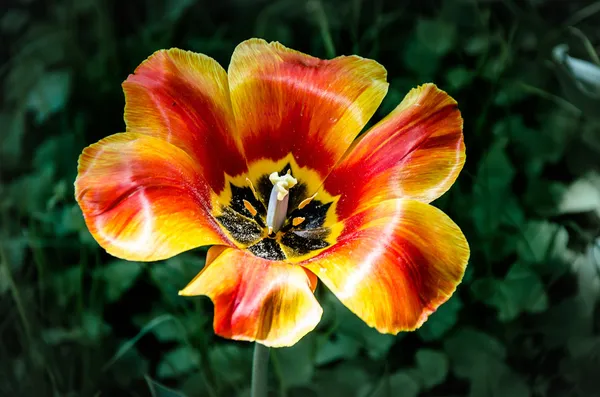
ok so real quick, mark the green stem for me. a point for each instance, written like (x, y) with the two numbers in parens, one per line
(260, 370)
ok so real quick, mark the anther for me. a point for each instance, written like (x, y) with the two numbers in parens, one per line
(306, 201)
(250, 207)
(297, 220)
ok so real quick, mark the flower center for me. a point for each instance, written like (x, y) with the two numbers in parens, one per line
(274, 217)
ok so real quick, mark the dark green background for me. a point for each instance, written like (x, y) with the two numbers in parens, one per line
(76, 322)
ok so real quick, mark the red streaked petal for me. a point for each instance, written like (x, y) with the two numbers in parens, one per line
(394, 264)
(256, 299)
(416, 152)
(183, 98)
(285, 102)
(143, 198)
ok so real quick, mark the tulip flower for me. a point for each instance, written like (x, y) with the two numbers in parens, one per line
(263, 164)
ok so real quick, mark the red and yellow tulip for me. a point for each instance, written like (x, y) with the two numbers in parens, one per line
(261, 162)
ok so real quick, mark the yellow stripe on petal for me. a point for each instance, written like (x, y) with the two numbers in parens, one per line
(394, 264)
(270, 302)
(144, 199)
(285, 102)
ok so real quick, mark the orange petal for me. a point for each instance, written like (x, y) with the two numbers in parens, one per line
(416, 152)
(255, 299)
(285, 102)
(143, 199)
(183, 98)
(395, 263)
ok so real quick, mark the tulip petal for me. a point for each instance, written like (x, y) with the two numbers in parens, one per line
(183, 98)
(394, 264)
(143, 199)
(416, 152)
(286, 102)
(255, 299)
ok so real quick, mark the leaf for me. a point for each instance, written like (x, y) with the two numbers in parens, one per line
(131, 367)
(56, 336)
(13, 250)
(119, 276)
(11, 139)
(178, 362)
(333, 349)
(478, 44)
(130, 343)
(432, 366)
(176, 8)
(232, 363)
(579, 80)
(495, 66)
(581, 366)
(459, 77)
(420, 59)
(510, 93)
(440, 322)
(399, 384)
(30, 193)
(4, 279)
(469, 348)
(50, 94)
(169, 331)
(583, 195)
(527, 288)
(375, 343)
(492, 188)
(521, 290)
(158, 390)
(563, 322)
(174, 273)
(479, 357)
(344, 379)
(296, 363)
(588, 279)
(437, 35)
(13, 20)
(497, 380)
(542, 241)
(69, 283)
(93, 326)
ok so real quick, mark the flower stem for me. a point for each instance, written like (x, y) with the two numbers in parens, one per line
(260, 370)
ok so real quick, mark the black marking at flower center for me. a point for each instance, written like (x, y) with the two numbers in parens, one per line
(241, 228)
(268, 248)
(291, 241)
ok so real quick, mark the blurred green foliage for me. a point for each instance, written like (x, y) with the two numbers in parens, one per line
(525, 321)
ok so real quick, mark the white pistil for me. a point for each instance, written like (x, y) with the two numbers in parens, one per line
(278, 201)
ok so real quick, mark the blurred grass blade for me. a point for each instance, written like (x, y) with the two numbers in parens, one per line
(158, 390)
(131, 342)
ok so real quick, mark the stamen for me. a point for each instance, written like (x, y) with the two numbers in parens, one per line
(250, 207)
(278, 202)
(297, 220)
(306, 201)
(252, 188)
